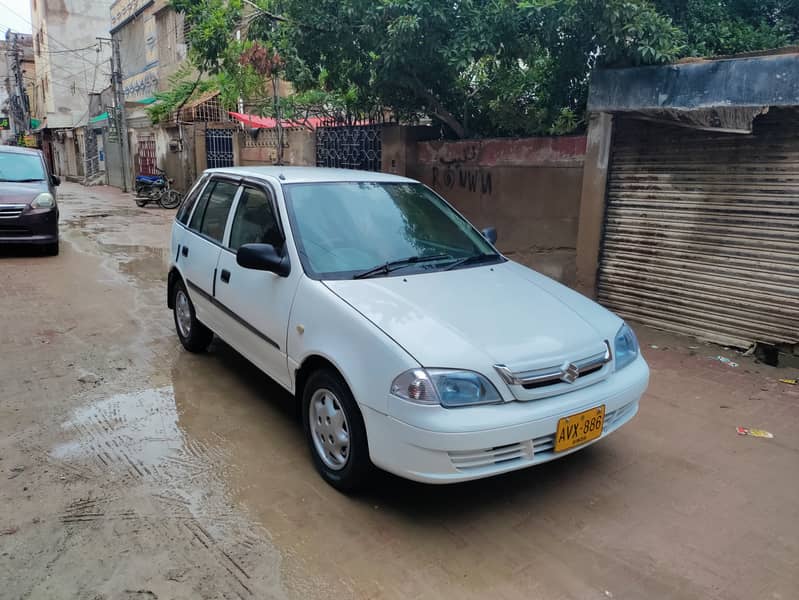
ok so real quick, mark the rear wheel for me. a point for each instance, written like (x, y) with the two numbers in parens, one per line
(170, 199)
(194, 336)
(140, 202)
(335, 432)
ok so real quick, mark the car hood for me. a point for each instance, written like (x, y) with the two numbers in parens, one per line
(503, 313)
(21, 193)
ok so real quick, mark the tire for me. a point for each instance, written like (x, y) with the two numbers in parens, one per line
(51, 249)
(345, 467)
(141, 202)
(170, 199)
(194, 336)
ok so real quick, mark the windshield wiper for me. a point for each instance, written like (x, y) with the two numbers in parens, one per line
(471, 260)
(393, 265)
(20, 180)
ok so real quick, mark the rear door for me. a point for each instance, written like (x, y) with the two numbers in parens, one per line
(181, 223)
(256, 303)
(199, 253)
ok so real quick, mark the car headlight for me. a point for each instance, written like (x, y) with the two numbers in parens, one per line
(44, 200)
(625, 346)
(446, 387)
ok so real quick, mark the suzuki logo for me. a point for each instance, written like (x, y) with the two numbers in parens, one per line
(570, 373)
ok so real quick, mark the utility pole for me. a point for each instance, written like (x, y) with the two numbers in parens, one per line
(20, 108)
(119, 100)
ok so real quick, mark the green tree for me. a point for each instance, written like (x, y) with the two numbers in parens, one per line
(477, 67)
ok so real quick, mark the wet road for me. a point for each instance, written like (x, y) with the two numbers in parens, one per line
(132, 469)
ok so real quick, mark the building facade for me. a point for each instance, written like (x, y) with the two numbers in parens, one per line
(152, 48)
(71, 64)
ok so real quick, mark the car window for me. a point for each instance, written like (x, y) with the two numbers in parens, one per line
(217, 209)
(189, 201)
(343, 228)
(197, 217)
(21, 167)
(254, 221)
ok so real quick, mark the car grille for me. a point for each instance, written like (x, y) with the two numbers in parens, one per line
(11, 231)
(572, 375)
(464, 460)
(11, 211)
(617, 415)
(527, 451)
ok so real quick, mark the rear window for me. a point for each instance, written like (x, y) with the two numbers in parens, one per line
(189, 201)
(21, 167)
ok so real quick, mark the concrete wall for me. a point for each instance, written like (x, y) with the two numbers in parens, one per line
(529, 189)
(299, 148)
(174, 148)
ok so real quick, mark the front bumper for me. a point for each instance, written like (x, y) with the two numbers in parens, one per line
(33, 226)
(450, 456)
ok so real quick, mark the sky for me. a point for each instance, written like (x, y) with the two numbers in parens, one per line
(15, 14)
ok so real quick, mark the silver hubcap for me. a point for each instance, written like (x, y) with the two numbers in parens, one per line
(329, 428)
(183, 313)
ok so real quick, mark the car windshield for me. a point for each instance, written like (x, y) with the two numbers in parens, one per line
(20, 167)
(345, 230)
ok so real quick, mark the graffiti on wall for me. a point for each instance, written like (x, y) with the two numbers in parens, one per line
(122, 10)
(143, 85)
(472, 179)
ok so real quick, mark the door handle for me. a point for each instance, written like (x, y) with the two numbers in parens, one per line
(184, 251)
(225, 276)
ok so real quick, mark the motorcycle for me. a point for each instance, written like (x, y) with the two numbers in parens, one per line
(156, 188)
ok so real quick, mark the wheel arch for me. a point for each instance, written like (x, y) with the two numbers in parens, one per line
(311, 364)
(172, 279)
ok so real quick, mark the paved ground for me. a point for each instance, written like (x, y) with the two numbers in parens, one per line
(131, 469)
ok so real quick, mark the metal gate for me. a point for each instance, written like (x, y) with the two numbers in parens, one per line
(219, 148)
(702, 231)
(349, 147)
(147, 160)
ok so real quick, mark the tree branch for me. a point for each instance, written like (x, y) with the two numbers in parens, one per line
(436, 107)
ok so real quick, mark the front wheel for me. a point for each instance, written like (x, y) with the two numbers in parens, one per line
(194, 336)
(335, 432)
(170, 199)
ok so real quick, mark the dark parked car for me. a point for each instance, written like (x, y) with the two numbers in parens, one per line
(28, 209)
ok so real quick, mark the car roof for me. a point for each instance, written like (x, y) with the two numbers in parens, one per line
(19, 150)
(311, 174)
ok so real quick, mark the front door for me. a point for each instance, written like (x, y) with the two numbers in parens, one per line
(256, 303)
(199, 252)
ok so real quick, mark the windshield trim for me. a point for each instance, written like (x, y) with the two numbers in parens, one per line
(412, 269)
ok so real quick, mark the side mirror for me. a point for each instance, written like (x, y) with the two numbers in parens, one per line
(263, 257)
(55, 180)
(490, 233)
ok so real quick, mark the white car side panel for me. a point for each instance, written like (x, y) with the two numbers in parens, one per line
(367, 358)
(197, 270)
(263, 300)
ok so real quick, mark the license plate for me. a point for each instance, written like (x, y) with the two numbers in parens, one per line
(579, 429)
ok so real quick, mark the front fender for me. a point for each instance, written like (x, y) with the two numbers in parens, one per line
(322, 324)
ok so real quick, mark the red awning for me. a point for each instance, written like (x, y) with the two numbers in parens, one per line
(257, 122)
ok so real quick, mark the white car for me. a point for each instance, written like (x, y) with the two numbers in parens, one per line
(412, 344)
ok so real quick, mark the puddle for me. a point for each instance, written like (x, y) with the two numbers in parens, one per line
(142, 262)
(166, 491)
(136, 432)
(137, 436)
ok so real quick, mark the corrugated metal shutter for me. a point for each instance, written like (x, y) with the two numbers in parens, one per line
(702, 231)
